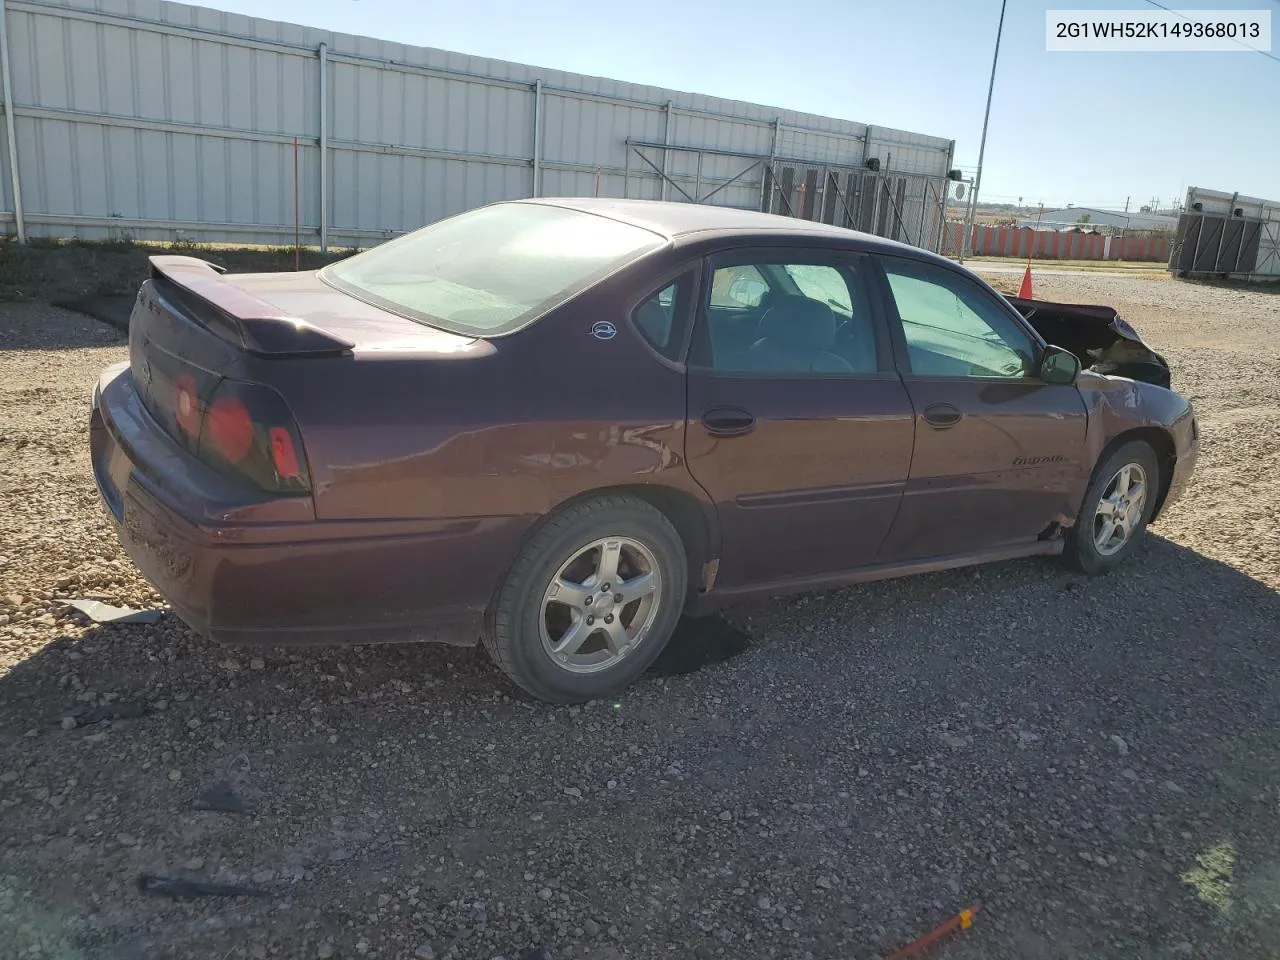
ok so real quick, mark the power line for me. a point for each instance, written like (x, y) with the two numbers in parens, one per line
(1269, 56)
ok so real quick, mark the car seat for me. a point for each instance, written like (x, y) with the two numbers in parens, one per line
(856, 342)
(796, 336)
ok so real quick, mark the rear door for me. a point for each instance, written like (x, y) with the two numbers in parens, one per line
(798, 427)
(999, 453)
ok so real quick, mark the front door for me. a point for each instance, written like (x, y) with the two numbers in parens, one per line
(999, 453)
(798, 427)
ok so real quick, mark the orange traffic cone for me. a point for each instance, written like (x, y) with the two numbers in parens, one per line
(1024, 291)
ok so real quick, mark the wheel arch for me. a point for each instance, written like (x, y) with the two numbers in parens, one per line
(1159, 440)
(693, 518)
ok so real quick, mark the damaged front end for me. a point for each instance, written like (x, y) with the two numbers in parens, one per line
(1098, 336)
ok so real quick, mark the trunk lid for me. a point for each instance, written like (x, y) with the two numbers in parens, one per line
(365, 327)
(191, 324)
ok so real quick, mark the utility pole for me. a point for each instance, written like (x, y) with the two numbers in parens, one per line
(1126, 204)
(982, 144)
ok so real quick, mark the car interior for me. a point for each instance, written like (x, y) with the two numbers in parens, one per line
(815, 318)
(774, 318)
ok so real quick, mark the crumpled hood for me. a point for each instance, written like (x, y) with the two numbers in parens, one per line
(1103, 341)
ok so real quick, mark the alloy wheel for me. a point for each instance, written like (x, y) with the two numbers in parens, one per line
(1120, 509)
(600, 605)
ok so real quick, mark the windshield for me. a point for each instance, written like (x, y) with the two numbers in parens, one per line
(493, 269)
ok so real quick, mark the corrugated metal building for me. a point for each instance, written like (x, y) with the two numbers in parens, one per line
(1227, 235)
(156, 120)
(1070, 217)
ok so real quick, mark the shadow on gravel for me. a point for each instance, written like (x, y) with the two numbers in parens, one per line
(1262, 286)
(26, 326)
(699, 642)
(1095, 761)
(113, 311)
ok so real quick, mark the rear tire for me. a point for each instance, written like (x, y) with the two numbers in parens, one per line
(1117, 506)
(590, 601)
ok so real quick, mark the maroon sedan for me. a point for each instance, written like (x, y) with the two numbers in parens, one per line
(557, 425)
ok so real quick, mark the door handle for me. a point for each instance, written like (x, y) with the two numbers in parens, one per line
(728, 421)
(942, 415)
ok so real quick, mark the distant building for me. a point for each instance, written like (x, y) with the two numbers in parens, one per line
(1118, 219)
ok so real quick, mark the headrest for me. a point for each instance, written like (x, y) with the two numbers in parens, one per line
(799, 322)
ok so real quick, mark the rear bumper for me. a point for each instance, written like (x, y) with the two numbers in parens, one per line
(266, 571)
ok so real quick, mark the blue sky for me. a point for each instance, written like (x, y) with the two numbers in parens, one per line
(1084, 128)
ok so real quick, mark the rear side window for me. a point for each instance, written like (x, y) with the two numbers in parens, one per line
(660, 317)
(492, 270)
(779, 317)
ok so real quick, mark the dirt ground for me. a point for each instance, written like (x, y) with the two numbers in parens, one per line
(71, 272)
(1094, 762)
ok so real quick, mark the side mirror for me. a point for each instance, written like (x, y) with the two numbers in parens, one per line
(1058, 365)
(747, 291)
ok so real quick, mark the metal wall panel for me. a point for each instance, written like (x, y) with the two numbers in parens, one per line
(157, 120)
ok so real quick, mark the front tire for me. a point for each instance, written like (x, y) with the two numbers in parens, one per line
(590, 601)
(1116, 509)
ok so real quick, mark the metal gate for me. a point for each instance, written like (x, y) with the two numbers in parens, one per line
(1209, 243)
(908, 207)
(1268, 264)
(904, 207)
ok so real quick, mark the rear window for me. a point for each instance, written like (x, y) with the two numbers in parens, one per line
(491, 270)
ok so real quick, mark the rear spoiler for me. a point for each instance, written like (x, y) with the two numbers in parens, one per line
(239, 317)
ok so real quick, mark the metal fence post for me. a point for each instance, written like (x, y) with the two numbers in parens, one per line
(19, 223)
(1231, 211)
(324, 148)
(766, 170)
(537, 138)
(666, 139)
(966, 236)
(946, 195)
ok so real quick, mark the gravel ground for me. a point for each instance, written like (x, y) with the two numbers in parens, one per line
(1094, 762)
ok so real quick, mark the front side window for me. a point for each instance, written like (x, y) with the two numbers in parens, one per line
(775, 317)
(823, 283)
(741, 286)
(952, 328)
(491, 270)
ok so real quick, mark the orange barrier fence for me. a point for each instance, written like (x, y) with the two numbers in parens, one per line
(1055, 245)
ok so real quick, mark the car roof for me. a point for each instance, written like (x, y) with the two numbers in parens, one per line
(674, 220)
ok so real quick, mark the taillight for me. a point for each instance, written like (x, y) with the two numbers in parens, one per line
(186, 404)
(283, 453)
(249, 432)
(230, 428)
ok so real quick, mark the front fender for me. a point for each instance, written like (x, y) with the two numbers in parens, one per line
(1119, 409)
